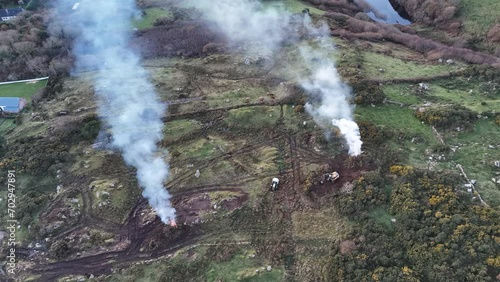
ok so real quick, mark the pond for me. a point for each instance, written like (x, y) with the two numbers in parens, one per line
(384, 12)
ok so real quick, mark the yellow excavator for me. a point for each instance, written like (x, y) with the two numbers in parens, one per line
(331, 177)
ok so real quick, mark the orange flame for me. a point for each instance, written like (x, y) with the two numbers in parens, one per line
(172, 223)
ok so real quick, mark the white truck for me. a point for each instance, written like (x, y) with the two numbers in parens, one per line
(274, 184)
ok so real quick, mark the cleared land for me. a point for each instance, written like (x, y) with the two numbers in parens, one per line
(241, 125)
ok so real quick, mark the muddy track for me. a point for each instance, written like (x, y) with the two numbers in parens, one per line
(297, 173)
(104, 263)
(418, 79)
(295, 163)
(85, 216)
(241, 151)
(138, 235)
(194, 114)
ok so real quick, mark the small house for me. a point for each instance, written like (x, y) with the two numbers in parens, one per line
(9, 14)
(11, 105)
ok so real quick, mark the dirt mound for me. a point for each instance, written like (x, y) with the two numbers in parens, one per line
(191, 208)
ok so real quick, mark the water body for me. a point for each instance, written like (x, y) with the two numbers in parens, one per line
(385, 8)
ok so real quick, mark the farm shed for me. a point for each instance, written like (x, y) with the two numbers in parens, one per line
(12, 105)
(9, 14)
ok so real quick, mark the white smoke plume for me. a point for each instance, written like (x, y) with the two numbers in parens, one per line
(248, 21)
(251, 21)
(127, 100)
(329, 94)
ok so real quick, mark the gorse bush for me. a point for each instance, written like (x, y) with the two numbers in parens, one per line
(447, 117)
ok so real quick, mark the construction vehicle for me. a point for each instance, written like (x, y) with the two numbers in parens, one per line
(331, 177)
(274, 184)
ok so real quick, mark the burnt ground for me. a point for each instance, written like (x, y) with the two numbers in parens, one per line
(347, 170)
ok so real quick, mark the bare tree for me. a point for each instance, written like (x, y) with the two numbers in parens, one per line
(24, 47)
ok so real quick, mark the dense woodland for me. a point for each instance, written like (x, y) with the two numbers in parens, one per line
(31, 46)
(439, 235)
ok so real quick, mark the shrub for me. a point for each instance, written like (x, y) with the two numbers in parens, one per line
(90, 130)
(441, 148)
(59, 249)
(367, 93)
(373, 135)
(188, 39)
(447, 116)
(3, 146)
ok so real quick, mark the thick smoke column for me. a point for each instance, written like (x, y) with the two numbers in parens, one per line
(330, 96)
(250, 21)
(127, 100)
(247, 20)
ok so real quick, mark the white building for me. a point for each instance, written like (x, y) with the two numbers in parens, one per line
(9, 14)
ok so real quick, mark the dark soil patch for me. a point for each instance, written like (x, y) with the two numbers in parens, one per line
(189, 208)
(180, 38)
(349, 169)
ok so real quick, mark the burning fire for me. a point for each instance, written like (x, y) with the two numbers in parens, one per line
(172, 223)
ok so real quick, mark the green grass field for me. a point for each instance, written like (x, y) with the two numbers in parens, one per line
(397, 68)
(152, 14)
(474, 94)
(477, 158)
(478, 96)
(396, 118)
(401, 93)
(296, 6)
(252, 117)
(382, 216)
(179, 128)
(242, 268)
(479, 16)
(24, 90)
(6, 125)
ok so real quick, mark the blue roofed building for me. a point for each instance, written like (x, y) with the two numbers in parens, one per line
(9, 14)
(11, 105)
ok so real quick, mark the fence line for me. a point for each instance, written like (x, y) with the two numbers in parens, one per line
(26, 80)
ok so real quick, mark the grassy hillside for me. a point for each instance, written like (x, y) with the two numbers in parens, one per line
(479, 16)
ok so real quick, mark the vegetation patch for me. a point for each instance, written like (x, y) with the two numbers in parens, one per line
(447, 117)
(252, 117)
(175, 130)
(6, 125)
(382, 216)
(478, 95)
(22, 89)
(243, 268)
(295, 6)
(326, 224)
(149, 17)
(378, 66)
(204, 148)
(476, 151)
(478, 16)
(402, 93)
(395, 118)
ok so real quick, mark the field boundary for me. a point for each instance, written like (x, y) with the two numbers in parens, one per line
(25, 80)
